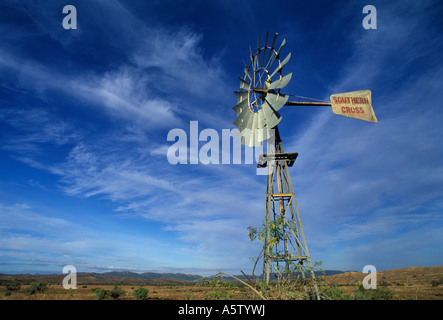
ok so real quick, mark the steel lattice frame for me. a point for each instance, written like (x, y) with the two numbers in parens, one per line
(258, 102)
(289, 243)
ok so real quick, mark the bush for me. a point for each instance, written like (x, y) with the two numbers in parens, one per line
(436, 283)
(116, 292)
(141, 293)
(113, 294)
(334, 292)
(100, 293)
(12, 286)
(373, 294)
(37, 287)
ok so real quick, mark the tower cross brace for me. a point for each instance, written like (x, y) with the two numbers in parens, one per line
(284, 237)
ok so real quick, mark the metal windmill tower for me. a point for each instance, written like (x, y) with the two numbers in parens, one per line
(258, 103)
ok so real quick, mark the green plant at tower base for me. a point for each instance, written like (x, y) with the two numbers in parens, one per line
(289, 278)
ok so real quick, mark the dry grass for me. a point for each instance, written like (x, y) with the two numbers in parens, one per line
(85, 292)
(408, 283)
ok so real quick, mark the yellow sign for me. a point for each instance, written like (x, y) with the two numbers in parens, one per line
(356, 104)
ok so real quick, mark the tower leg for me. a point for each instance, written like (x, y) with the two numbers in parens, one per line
(284, 236)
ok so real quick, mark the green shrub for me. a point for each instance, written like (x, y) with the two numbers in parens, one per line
(436, 283)
(334, 292)
(12, 287)
(116, 292)
(37, 287)
(112, 294)
(100, 293)
(141, 293)
(373, 294)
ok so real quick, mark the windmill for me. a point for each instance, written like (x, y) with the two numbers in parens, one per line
(258, 103)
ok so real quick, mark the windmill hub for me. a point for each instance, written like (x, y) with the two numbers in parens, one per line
(259, 98)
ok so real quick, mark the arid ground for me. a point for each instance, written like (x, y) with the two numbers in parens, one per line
(413, 283)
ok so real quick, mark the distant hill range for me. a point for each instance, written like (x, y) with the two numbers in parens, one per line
(151, 275)
(124, 277)
(191, 277)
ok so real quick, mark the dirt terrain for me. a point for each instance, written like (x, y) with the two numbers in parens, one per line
(406, 283)
(413, 283)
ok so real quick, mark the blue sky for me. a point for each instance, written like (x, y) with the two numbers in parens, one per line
(85, 114)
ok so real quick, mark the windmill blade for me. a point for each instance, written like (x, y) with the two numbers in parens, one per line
(250, 120)
(264, 50)
(247, 74)
(277, 54)
(260, 119)
(277, 101)
(270, 116)
(258, 44)
(241, 95)
(254, 122)
(248, 136)
(281, 46)
(253, 136)
(262, 127)
(285, 61)
(242, 119)
(271, 50)
(253, 61)
(241, 106)
(243, 83)
(273, 41)
(251, 141)
(280, 83)
(253, 130)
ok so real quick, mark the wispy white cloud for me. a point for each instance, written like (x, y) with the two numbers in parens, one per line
(179, 65)
(153, 88)
(34, 127)
(28, 219)
(126, 94)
